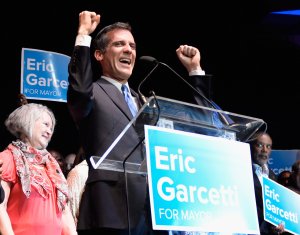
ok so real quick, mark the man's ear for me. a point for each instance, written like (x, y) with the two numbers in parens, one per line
(98, 55)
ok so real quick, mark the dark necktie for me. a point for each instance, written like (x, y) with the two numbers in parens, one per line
(129, 100)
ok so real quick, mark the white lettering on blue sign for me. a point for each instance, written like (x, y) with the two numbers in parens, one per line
(168, 191)
(33, 65)
(188, 193)
(169, 162)
(271, 193)
(33, 80)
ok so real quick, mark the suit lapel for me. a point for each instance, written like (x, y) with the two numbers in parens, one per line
(116, 96)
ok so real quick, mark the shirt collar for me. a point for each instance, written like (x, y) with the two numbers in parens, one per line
(116, 83)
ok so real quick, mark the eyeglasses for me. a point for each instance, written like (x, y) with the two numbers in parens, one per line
(261, 145)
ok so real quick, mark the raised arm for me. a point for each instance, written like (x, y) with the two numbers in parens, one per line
(190, 57)
(88, 22)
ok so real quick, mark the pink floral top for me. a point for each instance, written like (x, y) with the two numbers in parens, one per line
(33, 214)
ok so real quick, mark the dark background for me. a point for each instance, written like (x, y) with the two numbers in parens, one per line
(254, 55)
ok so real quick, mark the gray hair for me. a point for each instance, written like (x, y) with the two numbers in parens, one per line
(21, 121)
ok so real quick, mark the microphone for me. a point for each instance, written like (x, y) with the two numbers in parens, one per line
(245, 129)
(148, 58)
(153, 60)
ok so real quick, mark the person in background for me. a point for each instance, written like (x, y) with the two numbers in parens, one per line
(58, 157)
(69, 163)
(101, 113)
(36, 191)
(22, 99)
(284, 177)
(1, 189)
(261, 147)
(294, 182)
(76, 182)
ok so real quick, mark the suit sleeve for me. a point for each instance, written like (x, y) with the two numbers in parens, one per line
(203, 85)
(80, 89)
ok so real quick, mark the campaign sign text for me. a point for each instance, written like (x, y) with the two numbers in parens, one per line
(199, 183)
(44, 75)
(281, 206)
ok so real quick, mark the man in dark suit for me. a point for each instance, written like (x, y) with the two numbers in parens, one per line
(101, 113)
(261, 147)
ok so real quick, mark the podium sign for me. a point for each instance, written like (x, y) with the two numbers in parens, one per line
(219, 195)
(199, 182)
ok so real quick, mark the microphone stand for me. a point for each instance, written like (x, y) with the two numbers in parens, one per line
(152, 59)
(139, 87)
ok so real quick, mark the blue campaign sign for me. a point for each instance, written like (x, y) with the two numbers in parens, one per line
(199, 183)
(281, 206)
(281, 160)
(44, 75)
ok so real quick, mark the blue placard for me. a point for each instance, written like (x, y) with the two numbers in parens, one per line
(281, 206)
(199, 183)
(281, 160)
(44, 75)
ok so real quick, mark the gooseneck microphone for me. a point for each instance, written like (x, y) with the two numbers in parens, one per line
(153, 60)
(150, 59)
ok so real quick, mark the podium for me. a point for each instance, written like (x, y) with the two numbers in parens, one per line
(174, 114)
